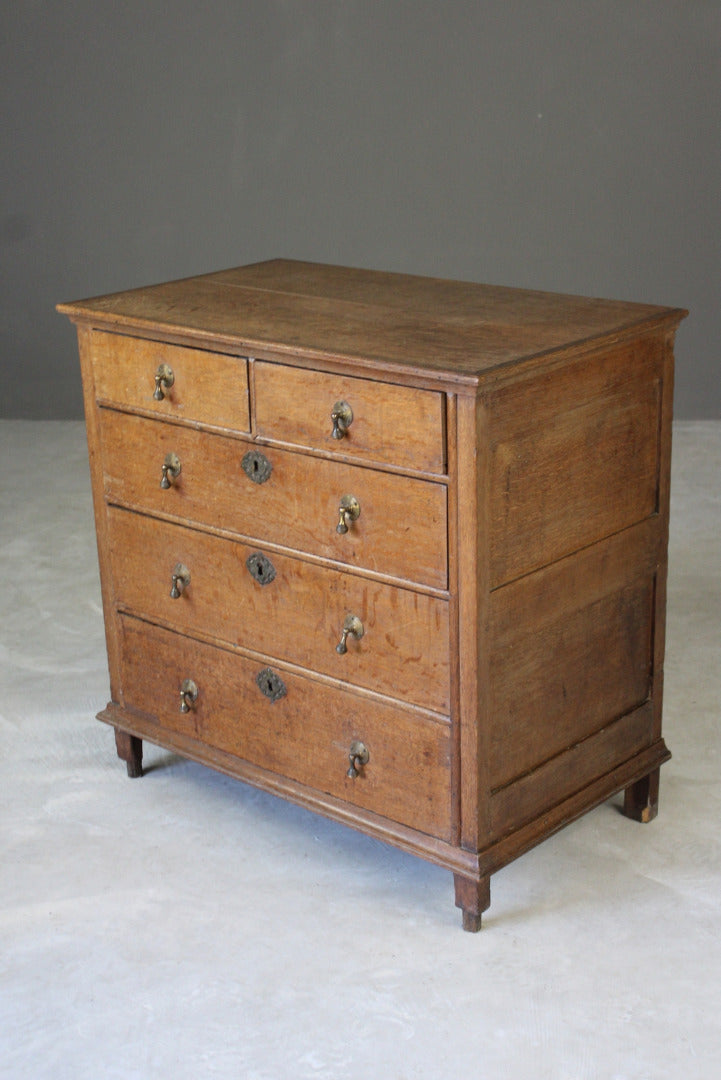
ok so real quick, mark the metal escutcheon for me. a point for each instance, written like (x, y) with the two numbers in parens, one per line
(260, 567)
(256, 466)
(270, 683)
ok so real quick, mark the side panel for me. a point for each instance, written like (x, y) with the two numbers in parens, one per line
(579, 461)
(575, 456)
(572, 649)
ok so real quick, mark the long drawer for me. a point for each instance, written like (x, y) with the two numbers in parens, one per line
(292, 725)
(284, 607)
(400, 530)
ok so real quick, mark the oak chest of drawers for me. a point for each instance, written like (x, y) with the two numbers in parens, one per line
(393, 548)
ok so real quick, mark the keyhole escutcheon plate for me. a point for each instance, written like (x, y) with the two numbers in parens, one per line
(256, 466)
(260, 567)
(270, 683)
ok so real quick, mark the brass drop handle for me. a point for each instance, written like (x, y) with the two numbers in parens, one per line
(171, 470)
(353, 627)
(358, 756)
(181, 580)
(164, 379)
(188, 695)
(348, 511)
(342, 417)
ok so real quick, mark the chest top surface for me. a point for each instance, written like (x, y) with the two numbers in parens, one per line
(449, 330)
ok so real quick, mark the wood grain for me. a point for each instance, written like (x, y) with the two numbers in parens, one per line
(469, 590)
(392, 424)
(92, 427)
(401, 530)
(571, 649)
(298, 616)
(366, 318)
(209, 387)
(538, 791)
(305, 735)
(574, 457)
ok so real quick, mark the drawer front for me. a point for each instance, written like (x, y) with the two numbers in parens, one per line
(305, 734)
(284, 607)
(396, 425)
(207, 387)
(400, 532)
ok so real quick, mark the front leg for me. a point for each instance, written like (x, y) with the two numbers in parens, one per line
(640, 800)
(472, 897)
(130, 750)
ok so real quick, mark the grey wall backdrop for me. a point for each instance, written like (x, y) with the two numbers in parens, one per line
(566, 145)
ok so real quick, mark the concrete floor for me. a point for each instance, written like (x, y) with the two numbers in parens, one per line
(185, 925)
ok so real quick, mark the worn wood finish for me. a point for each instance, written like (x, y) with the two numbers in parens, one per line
(306, 734)
(575, 457)
(473, 897)
(130, 750)
(518, 840)
(558, 777)
(298, 616)
(664, 481)
(401, 531)
(470, 588)
(511, 453)
(92, 425)
(208, 387)
(391, 424)
(571, 649)
(641, 799)
(359, 319)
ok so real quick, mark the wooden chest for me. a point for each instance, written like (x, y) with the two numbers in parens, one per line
(391, 547)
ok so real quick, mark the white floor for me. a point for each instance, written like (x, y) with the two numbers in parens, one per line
(187, 926)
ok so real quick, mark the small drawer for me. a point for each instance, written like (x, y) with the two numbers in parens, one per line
(292, 725)
(376, 421)
(203, 387)
(302, 503)
(285, 607)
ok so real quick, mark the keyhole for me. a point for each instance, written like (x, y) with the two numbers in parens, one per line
(270, 684)
(261, 568)
(255, 465)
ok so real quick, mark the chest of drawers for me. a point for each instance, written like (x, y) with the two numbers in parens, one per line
(393, 548)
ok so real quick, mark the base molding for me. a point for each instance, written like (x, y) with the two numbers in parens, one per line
(471, 868)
